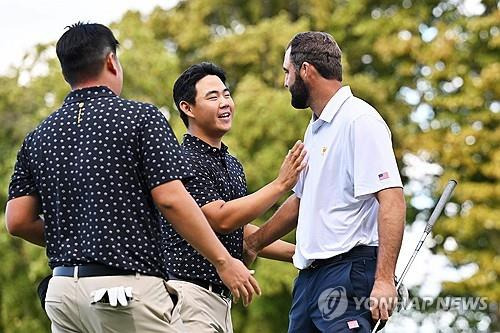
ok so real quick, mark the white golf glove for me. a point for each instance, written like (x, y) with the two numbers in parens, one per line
(115, 295)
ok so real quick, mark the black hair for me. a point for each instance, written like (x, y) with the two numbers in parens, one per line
(318, 49)
(185, 85)
(82, 51)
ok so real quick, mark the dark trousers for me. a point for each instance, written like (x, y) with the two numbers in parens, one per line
(333, 296)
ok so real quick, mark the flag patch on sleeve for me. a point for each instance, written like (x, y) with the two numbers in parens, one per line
(383, 175)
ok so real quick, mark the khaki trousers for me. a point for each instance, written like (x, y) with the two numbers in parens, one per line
(203, 311)
(69, 305)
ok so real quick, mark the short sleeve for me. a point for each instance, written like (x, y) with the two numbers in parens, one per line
(375, 166)
(161, 157)
(22, 182)
(202, 186)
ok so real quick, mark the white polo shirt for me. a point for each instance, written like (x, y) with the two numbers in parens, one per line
(350, 159)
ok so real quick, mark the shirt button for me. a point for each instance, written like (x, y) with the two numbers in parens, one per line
(80, 104)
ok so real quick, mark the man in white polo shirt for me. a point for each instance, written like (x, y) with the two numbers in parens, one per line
(348, 206)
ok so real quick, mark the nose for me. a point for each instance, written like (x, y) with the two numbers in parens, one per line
(224, 102)
(285, 82)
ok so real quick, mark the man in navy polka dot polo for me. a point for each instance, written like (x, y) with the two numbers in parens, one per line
(100, 170)
(219, 188)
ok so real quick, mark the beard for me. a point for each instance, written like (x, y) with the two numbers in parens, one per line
(300, 94)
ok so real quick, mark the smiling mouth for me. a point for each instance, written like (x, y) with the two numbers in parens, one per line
(225, 115)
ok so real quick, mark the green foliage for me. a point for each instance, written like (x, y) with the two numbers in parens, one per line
(463, 137)
(389, 53)
(23, 267)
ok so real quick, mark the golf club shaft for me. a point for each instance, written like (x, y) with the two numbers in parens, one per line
(447, 192)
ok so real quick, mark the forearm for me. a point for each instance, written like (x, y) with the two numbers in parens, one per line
(391, 221)
(280, 224)
(22, 219)
(229, 216)
(278, 250)
(188, 220)
(32, 232)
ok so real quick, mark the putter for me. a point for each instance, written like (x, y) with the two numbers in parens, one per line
(434, 216)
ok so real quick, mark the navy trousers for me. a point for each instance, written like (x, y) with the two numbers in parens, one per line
(334, 296)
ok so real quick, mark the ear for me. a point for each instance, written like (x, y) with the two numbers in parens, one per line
(305, 70)
(186, 108)
(112, 63)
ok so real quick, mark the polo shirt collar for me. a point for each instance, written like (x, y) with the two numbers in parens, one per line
(79, 95)
(331, 108)
(195, 143)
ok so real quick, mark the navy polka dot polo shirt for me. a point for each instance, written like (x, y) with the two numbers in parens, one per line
(93, 163)
(217, 176)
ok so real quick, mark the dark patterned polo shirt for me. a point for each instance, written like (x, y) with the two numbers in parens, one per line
(94, 162)
(217, 176)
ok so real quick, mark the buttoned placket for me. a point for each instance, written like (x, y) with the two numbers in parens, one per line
(221, 157)
(228, 174)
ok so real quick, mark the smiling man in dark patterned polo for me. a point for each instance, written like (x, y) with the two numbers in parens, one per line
(219, 188)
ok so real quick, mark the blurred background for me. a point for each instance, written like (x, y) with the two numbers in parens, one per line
(431, 68)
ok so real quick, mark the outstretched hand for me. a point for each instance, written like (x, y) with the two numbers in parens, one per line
(294, 162)
(239, 280)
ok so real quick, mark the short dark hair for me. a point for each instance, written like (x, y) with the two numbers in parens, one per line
(185, 85)
(320, 50)
(82, 50)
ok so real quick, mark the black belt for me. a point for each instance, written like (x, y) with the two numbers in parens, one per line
(89, 270)
(357, 251)
(215, 288)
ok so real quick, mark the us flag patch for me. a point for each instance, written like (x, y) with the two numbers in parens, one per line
(382, 176)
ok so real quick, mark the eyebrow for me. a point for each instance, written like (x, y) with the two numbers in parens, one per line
(216, 92)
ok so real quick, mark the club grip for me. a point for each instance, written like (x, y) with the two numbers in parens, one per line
(448, 191)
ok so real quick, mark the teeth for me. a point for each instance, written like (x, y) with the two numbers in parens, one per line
(224, 115)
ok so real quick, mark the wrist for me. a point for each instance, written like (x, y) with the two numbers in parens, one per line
(279, 186)
(384, 278)
(291, 253)
(252, 243)
(222, 261)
